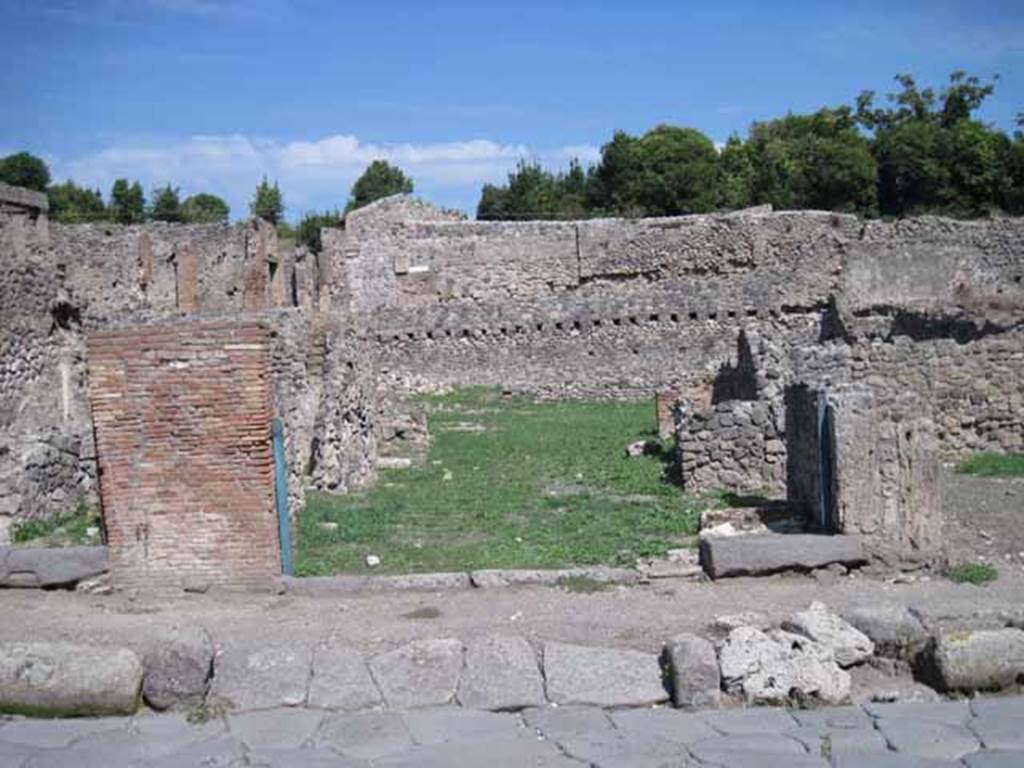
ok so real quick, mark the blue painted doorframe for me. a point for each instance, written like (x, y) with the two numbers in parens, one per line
(281, 496)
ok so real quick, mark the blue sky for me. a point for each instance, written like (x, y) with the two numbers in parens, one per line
(211, 94)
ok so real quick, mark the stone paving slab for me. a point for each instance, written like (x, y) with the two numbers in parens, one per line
(933, 735)
(929, 738)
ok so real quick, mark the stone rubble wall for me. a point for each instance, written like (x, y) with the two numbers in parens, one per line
(734, 446)
(59, 282)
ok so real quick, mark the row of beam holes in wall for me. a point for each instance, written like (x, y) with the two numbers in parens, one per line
(575, 325)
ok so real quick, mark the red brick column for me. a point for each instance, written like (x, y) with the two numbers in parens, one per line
(182, 415)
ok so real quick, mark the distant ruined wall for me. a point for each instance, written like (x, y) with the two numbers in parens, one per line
(625, 308)
(59, 282)
(721, 309)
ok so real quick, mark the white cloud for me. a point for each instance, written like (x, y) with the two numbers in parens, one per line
(312, 174)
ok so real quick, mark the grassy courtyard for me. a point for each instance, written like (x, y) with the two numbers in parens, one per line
(509, 482)
(994, 465)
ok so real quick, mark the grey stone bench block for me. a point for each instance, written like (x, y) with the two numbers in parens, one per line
(757, 554)
(42, 567)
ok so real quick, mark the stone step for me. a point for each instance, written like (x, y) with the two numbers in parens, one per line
(760, 554)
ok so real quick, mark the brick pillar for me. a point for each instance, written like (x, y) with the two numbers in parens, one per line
(182, 416)
(186, 270)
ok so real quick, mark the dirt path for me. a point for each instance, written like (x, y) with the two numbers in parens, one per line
(641, 617)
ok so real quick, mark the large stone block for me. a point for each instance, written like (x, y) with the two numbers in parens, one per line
(693, 670)
(178, 668)
(781, 668)
(61, 679)
(47, 567)
(421, 674)
(501, 674)
(262, 677)
(341, 681)
(978, 660)
(755, 555)
(602, 677)
(848, 644)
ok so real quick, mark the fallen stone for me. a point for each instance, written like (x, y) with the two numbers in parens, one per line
(693, 672)
(602, 677)
(781, 668)
(895, 631)
(341, 681)
(759, 554)
(501, 674)
(263, 677)
(61, 679)
(178, 668)
(49, 567)
(422, 674)
(678, 564)
(981, 660)
(848, 644)
(723, 625)
(643, 448)
(96, 585)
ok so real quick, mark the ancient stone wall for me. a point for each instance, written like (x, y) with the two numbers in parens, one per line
(182, 414)
(733, 446)
(68, 280)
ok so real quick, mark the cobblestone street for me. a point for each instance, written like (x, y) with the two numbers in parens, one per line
(983, 733)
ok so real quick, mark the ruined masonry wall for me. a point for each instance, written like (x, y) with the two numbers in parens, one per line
(973, 391)
(182, 415)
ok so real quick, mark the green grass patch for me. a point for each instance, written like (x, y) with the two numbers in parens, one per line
(508, 483)
(994, 465)
(65, 530)
(973, 573)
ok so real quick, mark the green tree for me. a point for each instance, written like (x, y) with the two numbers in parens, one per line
(267, 203)
(70, 203)
(737, 175)
(25, 170)
(819, 161)
(1011, 171)
(667, 171)
(535, 193)
(204, 208)
(166, 204)
(933, 156)
(127, 202)
(380, 179)
(307, 232)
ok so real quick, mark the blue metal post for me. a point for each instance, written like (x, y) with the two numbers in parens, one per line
(281, 494)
